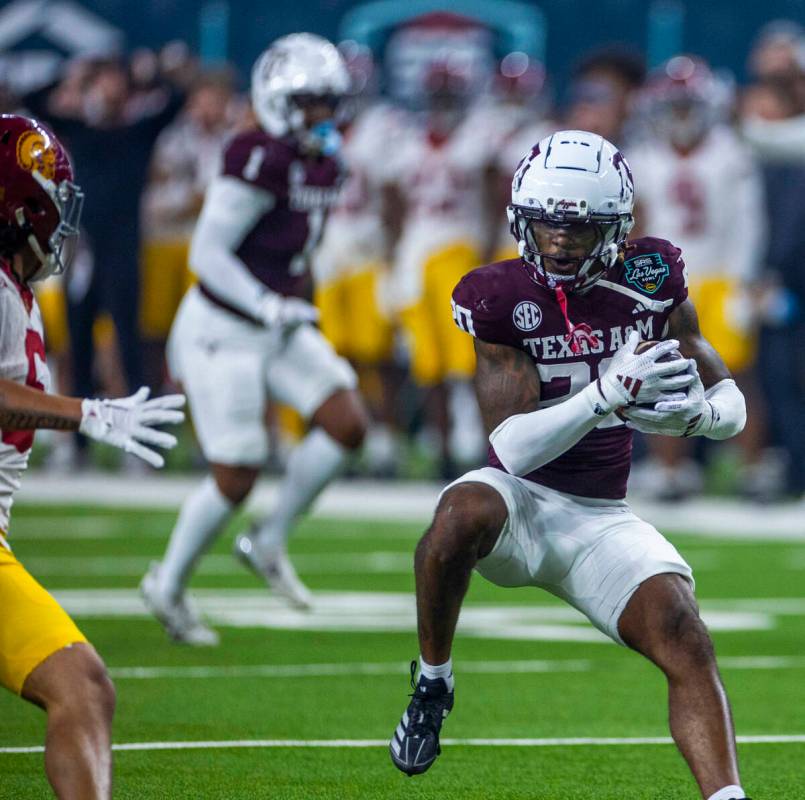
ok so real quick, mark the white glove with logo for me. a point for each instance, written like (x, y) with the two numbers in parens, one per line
(684, 415)
(640, 377)
(128, 421)
(277, 311)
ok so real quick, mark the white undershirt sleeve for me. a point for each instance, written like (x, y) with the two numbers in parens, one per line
(231, 209)
(525, 442)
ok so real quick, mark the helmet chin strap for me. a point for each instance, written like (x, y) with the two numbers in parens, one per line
(578, 335)
(609, 255)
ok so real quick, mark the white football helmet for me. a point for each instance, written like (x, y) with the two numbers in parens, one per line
(579, 183)
(683, 99)
(301, 65)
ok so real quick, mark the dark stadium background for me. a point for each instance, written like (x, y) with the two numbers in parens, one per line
(719, 30)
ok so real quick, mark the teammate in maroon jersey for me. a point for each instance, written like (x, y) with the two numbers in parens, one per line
(244, 333)
(555, 335)
(44, 657)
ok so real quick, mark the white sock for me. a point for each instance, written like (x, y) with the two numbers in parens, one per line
(202, 516)
(444, 671)
(728, 793)
(314, 462)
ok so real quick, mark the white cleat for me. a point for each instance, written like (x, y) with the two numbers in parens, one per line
(276, 570)
(179, 619)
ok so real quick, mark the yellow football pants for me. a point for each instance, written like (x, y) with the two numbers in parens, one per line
(351, 318)
(165, 277)
(439, 350)
(33, 626)
(716, 300)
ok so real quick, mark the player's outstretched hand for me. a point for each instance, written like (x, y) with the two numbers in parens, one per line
(679, 415)
(129, 422)
(642, 377)
(286, 312)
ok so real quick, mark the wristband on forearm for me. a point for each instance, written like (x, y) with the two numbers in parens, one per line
(724, 412)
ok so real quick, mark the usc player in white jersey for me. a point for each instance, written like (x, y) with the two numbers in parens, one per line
(44, 657)
(446, 178)
(352, 264)
(702, 190)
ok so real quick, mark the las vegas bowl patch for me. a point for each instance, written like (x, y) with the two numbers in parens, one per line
(647, 272)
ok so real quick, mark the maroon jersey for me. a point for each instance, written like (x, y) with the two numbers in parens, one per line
(500, 304)
(277, 250)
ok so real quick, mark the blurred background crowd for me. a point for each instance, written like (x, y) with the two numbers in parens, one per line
(446, 99)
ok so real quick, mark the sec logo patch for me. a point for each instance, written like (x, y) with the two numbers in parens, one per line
(527, 316)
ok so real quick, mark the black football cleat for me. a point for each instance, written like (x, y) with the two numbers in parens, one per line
(415, 744)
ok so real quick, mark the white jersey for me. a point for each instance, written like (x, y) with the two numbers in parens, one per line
(442, 182)
(22, 359)
(441, 179)
(353, 235)
(709, 203)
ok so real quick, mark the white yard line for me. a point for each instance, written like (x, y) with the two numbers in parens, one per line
(364, 743)
(367, 612)
(374, 563)
(762, 662)
(412, 501)
(360, 668)
(401, 668)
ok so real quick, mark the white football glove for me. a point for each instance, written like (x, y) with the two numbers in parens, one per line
(277, 311)
(128, 421)
(640, 378)
(680, 415)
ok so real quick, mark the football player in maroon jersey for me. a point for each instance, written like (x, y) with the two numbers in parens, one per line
(556, 334)
(244, 333)
(44, 657)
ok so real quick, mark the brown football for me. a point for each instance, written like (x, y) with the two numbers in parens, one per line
(641, 348)
(649, 343)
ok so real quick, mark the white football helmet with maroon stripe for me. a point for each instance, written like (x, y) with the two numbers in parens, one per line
(301, 65)
(568, 178)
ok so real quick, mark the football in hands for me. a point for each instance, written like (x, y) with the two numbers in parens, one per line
(672, 356)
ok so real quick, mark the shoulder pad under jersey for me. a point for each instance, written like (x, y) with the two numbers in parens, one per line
(654, 268)
(485, 299)
(259, 159)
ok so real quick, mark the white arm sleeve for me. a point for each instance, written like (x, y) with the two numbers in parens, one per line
(231, 209)
(525, 442)
(726, 411)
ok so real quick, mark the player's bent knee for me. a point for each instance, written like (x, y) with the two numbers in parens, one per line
(92, 700)
(99, 687)
(73, 682)
(354, 431)
(344, 417)
(468, 520)
(234, 482)
(687, 637)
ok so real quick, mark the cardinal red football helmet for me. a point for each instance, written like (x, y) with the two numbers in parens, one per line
(40, 205)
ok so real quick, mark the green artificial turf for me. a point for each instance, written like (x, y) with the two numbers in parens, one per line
(614, 693)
